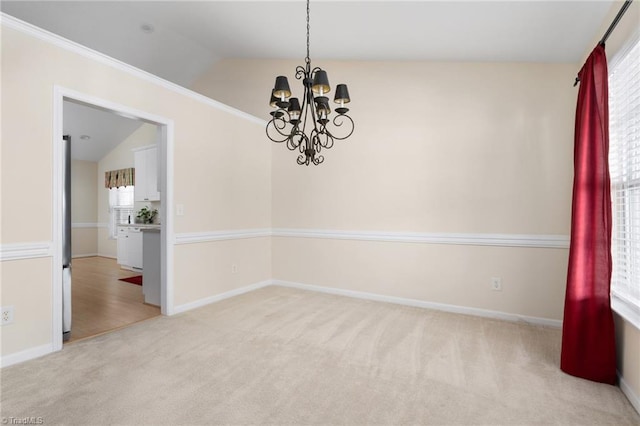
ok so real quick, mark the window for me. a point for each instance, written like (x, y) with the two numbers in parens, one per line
(120, 208)
(624, 165)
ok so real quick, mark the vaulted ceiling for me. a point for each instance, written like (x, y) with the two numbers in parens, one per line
(188, 37)
(181, 40)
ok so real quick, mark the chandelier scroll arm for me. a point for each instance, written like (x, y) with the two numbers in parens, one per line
(340, 123)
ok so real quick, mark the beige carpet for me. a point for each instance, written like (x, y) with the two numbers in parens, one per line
(285, 356)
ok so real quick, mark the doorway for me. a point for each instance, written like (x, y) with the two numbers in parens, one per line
(102, 296)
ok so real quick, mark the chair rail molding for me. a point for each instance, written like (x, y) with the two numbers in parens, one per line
(495, 240)
(21, 251)
(235, 234)
(500, 240)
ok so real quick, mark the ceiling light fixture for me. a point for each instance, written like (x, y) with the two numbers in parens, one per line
(147, 28)
(85, 137)
(289, 120)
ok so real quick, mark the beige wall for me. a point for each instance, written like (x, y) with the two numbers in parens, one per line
(195, 262)
(445, 274)
(84, 208)
(121, 157)
(84, 241)
(221, 174)
(84, 200)
(465, 148)
(26, 285)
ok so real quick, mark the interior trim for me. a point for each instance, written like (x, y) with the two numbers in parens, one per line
(81, 256)
(203, 237)
(25, 27)
(166, 141)
(629, 393)
(626, 309)
(89, 225)
(21, 251)
(45, 349)
(218, 297)
(44, 249)
(26, 355)
(457, 309)
(500, 240)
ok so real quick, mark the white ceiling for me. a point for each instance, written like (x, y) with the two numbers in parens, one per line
(105, 129)
(189, 36)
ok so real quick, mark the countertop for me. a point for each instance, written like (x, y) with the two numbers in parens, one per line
(142, 226)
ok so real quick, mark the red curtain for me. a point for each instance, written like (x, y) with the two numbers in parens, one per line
(588, 336)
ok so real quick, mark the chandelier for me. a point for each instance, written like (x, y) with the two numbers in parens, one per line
(305, 128)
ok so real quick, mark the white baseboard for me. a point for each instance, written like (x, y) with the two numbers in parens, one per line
(108, 256)
(629, 393)
(26, 355)
(423, 304)
(46, 349)
(89, 225)
(218, 297)
(79, 256)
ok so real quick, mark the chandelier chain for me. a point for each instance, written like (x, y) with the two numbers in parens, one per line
(308, 58)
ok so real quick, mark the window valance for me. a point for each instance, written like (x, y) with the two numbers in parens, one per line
(117, 178)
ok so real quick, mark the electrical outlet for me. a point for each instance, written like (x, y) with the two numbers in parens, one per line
(7, 315)
(179, 209)
(234, 269)
(496, 283)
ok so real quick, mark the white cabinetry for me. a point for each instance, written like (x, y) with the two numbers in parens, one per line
(123, 251)
(146, 165)
(130, 247)
(134, 246)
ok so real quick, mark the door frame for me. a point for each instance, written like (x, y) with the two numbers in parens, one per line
(166, 141)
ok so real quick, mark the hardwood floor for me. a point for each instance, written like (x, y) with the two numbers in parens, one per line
(101, 303)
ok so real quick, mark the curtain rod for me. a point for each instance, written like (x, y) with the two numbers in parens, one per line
(607, 33)
(623, 9)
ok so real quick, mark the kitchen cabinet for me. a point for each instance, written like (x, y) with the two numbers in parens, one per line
(130, 247)
(146, 165)
(123, 251)
(134, 246)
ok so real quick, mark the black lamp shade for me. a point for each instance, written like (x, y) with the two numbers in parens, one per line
(281, 87)
(321, 82)
(322, 104)
(294, 105)
(342, 94)
(274, 101)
